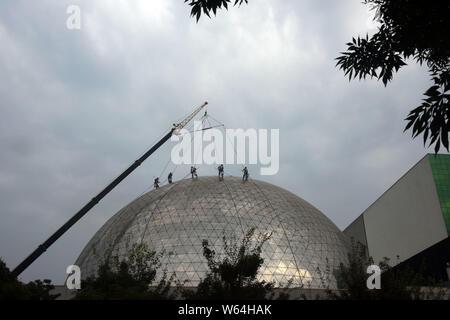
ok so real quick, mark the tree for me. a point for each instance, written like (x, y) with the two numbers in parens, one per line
(409, 29)
(416, 30)
(396, 284)
(208, 6)
(12, 289)
(235, 275)
(127, 279)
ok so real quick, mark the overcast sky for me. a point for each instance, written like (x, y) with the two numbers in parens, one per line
(78, 106)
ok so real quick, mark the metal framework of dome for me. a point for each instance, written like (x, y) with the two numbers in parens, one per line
(175, 218)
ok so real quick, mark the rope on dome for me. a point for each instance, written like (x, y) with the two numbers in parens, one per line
(150, 215)
(170, 187)
(161, 174)
(235, 208)
(205, 120)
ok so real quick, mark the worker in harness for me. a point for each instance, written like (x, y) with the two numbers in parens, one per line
(220, 168)
(245, 176)
(169, 177)
(194, 172)
(156, 183)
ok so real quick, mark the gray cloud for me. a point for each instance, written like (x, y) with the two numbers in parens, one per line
(79, 106)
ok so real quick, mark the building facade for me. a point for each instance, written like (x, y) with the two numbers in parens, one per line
(410, 218)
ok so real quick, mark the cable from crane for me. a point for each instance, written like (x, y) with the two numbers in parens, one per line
(175, 166)
(205, 121)
(269, 204)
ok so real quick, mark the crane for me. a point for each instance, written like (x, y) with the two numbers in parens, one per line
(182, 124)
(55, 236)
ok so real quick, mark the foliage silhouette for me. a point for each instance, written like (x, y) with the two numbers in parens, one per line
(234, 276)
(127, 279)
(208, 6)
(12, 289)
(416, 30)
(401, 284)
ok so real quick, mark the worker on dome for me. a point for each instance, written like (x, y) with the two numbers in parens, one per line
(220, 168)
(245, 176)
(194, 172)
(169, 177)
(156, 183)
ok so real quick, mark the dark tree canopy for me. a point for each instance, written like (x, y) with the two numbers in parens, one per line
(12, 289)
(208, 6)
(409, 29)
(416, 30)
(127, 279)
(235, 275)
(396, 284)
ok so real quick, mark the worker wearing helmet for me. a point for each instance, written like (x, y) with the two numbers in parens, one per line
(220, 168)
(194, 172)
(245, 176)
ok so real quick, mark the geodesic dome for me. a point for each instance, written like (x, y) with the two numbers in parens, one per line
(175, 218)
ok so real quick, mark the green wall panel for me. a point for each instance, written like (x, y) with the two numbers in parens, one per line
(440, 165)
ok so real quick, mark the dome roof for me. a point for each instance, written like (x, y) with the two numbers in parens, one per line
(177, 217)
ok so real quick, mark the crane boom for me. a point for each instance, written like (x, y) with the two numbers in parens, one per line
(55, 236)
(183, 123)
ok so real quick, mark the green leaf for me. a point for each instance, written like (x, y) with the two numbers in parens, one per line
(410, 123)
(437, 146)
(444, 138)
